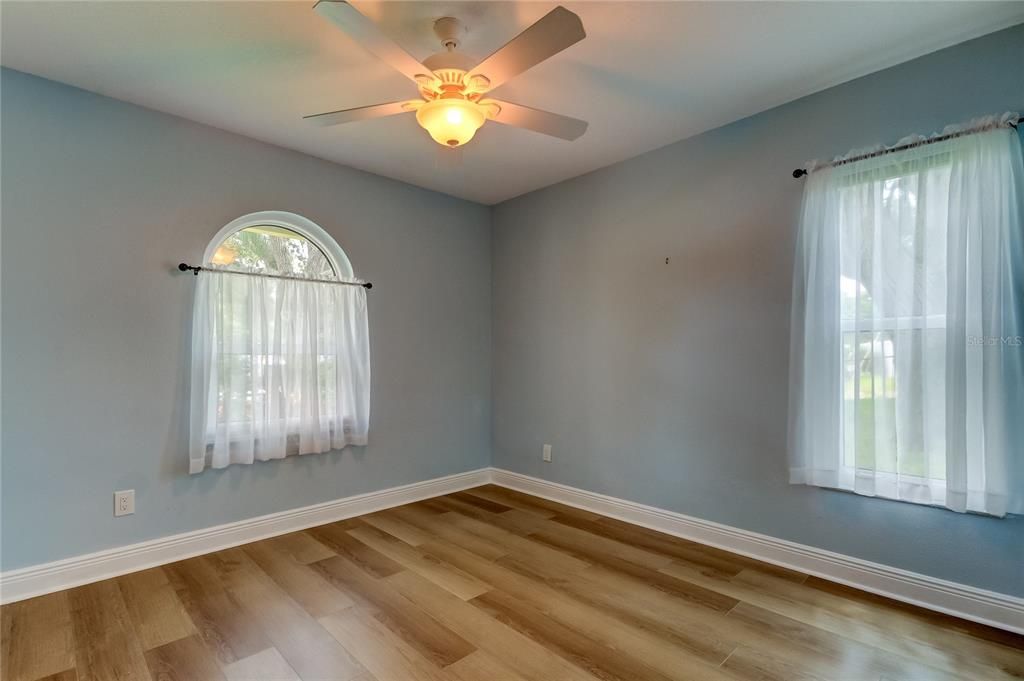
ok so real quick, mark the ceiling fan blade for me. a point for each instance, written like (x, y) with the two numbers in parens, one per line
(552, 33)
(365, 31)
(361, 113)
(544, 122)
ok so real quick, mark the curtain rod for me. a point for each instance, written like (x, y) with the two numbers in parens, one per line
(196, 269)
(800, 172)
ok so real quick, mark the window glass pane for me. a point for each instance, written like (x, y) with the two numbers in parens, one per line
(273, 250)
(892, 244)
(893, 247)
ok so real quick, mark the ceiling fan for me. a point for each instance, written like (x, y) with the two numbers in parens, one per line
(452, 84)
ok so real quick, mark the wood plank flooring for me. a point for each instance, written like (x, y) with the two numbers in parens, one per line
(487, 585)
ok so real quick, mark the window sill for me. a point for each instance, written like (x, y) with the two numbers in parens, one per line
(904, 489)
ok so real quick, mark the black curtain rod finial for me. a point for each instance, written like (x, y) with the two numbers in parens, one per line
(799, 172)
(182, 267)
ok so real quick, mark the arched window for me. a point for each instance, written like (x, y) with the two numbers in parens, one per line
(280, 354)
(275, 242)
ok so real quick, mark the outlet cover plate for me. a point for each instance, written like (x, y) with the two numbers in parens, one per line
(124, 502)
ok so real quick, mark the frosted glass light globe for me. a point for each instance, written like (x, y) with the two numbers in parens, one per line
(451, 122)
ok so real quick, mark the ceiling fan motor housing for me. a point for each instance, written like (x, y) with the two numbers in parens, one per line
(449, 67)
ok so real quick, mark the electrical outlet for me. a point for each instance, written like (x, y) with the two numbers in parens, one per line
(547, 453)
(124, 502)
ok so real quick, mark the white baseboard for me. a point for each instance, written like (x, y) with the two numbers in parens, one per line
(979, 605)
(987, 607)
(35, 580)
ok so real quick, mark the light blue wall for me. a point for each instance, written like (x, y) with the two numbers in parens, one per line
(666, 383)
(100, 201)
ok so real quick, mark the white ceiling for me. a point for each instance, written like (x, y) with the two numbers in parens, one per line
(648, 73)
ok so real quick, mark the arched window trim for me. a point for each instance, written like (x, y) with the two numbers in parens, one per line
(279, 218)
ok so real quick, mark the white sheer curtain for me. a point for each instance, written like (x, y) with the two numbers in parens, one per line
(279, 366)
(907, 365)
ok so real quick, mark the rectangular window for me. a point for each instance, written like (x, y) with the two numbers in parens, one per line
(907, 357)
(892, 285)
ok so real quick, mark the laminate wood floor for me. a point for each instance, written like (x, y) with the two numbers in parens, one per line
(487, 585)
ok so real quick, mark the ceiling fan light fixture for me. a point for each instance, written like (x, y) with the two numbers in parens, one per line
(451, 122)
(452, 84)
